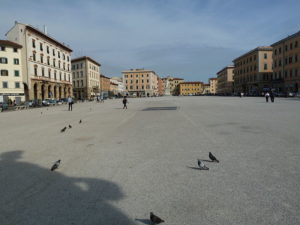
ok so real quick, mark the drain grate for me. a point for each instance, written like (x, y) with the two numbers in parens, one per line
(160, 108)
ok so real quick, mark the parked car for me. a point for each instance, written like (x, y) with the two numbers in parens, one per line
(290, 94)
(32, 103)
(45, 102)
(64, 100)
(52, 101)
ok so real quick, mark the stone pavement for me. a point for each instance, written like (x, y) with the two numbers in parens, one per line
(118, 165)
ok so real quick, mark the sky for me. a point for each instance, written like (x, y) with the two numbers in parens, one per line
(191, 39)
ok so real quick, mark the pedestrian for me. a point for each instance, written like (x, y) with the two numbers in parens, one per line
(125, 102)
(272, 96)
(70, 101)
(102, 99)
(267, 95)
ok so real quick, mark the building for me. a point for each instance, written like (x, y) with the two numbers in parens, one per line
(104, 85)
(253, 71)
(213, 85)
(286, 64)
(225, 81)
(85, 74)
(141, 82)
(161, 87)
(120, 87)
(46, 63)
(11, 81)
(190, 88)
(206, 89)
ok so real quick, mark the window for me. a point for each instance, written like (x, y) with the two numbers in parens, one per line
(58, 54)
(147, 81)
(296, 58)
(2, 48)
(137, 81)
(15, 50)
(68, 58)
(43, 72)
(137, 87)
(131, 87)
(265, 56)
(48, 60)
(33, 43)
(64, 57)
(42, 58)
(291, 46)
(55, 75)
(33, 56)
(60, 76)
(275, 52)
(296, 72)
(81, 83)
(49, 73)
(53, 62)
(291, 73)
(290, 59)
(3, 60)
(17, 73)
(53, 52)
(16, 61)
(296, 44)
(286, 47)
(17, 84)
(65, 77)
(4, 72)
(279, 50)
(35, 71)
(81, 73)
(41, 46)
(4, 84)
(48, 49)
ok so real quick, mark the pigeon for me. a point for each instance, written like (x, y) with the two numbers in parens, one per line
(63, 130)
(202, 165)
(80, 121)
(70, 126)
(213, 158)
(155, 219)
(55, 165)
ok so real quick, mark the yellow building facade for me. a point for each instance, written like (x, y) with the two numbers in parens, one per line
(191, 88)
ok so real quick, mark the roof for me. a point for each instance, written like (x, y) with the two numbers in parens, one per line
(137, 71)
(85, 58)
(10, 43)
(111, 83)
(101, 75)
(287, 38)
(261, 48)
(48, 37)
(178, 78)
(213, 78)
(226, 67)
(191, 82)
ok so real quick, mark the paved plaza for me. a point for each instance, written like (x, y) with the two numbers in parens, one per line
(120, 165)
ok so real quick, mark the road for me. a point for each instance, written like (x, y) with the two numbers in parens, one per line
(119, 165)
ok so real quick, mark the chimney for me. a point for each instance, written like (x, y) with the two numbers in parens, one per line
(45, 29)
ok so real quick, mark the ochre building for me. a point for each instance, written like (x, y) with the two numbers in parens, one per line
(225, 81)
(141, 82)
(213, 85)
(85, 73)
(191, 88)
(286, 64)
(253, 71)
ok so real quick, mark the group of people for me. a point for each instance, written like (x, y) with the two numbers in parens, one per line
(270, 95)
(71, 102)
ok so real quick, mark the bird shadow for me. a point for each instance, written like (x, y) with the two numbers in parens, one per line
(206, 160)
(194, 168)
(144, 221)
(28, 190)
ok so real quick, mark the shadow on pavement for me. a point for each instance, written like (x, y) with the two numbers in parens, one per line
(34, 195)
(144, 221)
(195, 168)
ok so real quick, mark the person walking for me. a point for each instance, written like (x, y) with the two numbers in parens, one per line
(125, 102)
(267, 95)
(272, 96)
(70, 102)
